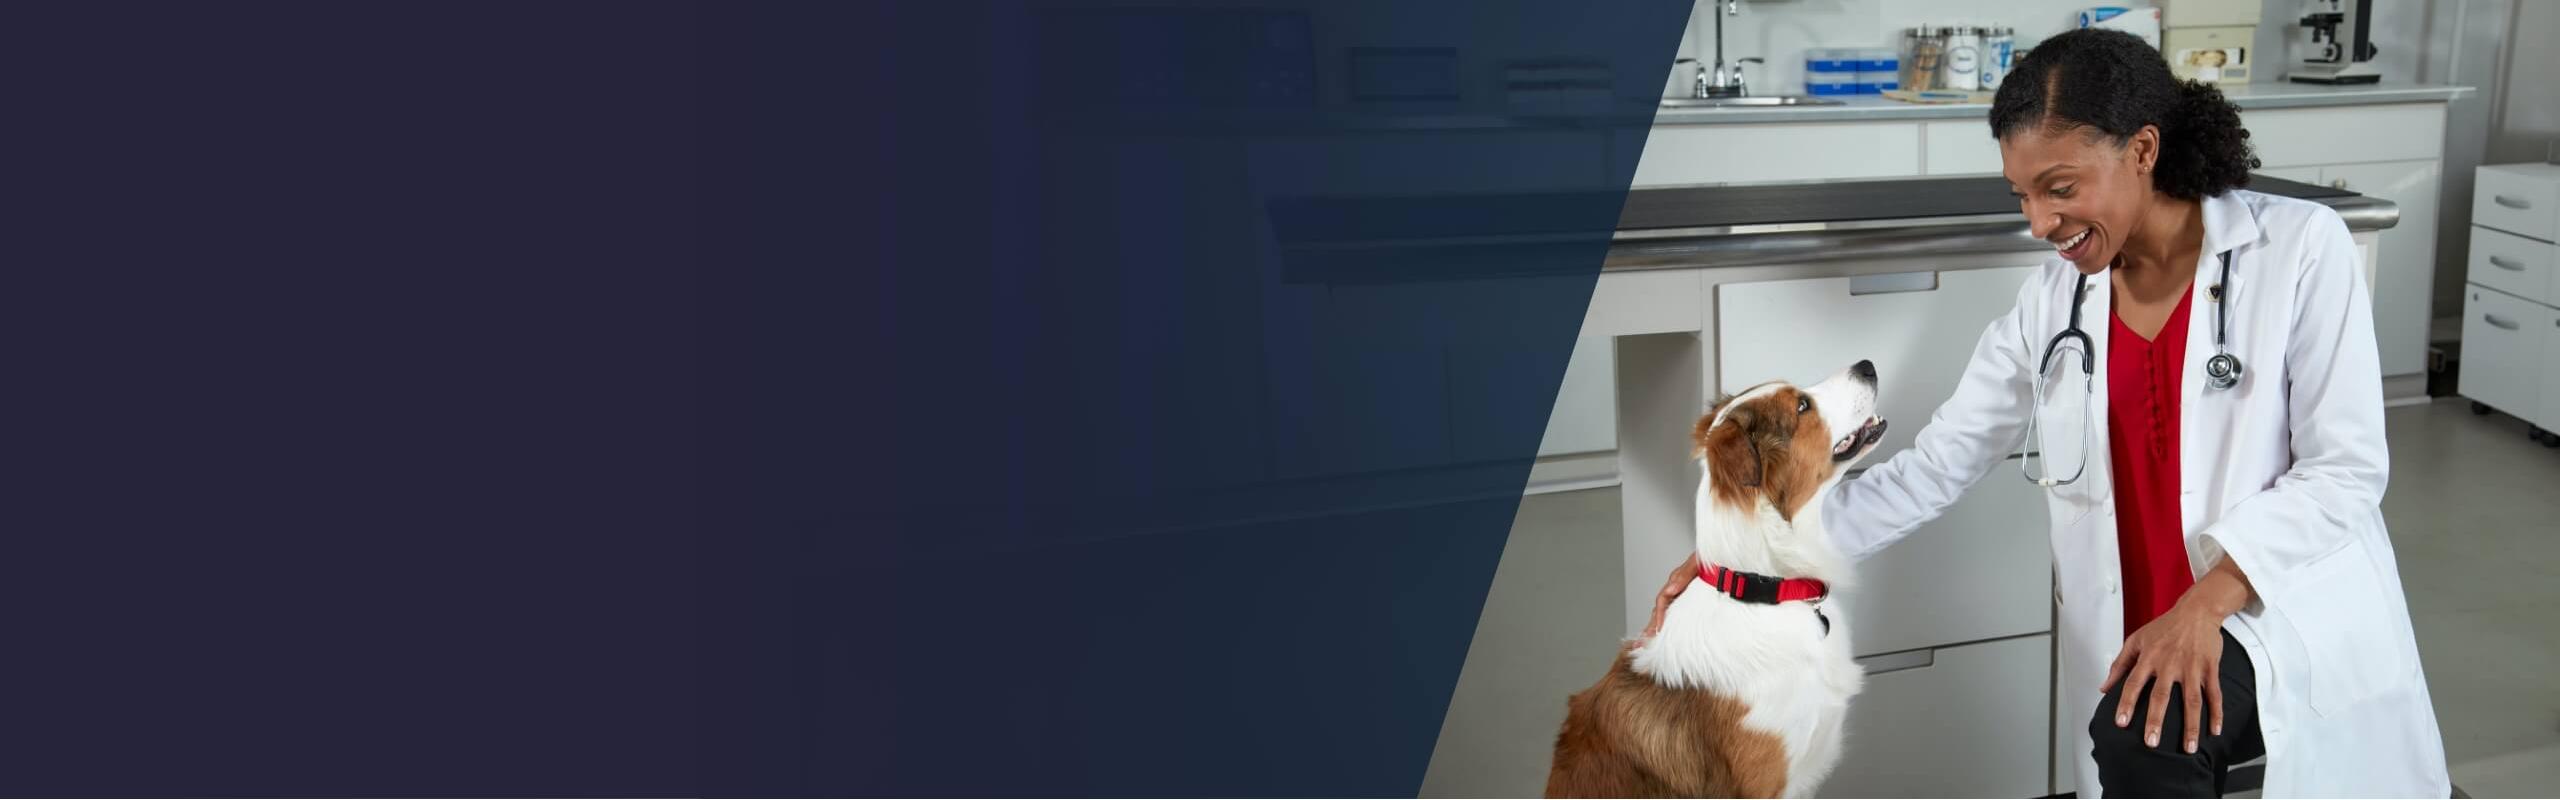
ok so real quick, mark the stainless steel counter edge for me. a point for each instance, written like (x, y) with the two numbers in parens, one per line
(1867, 109)
(1700, 248)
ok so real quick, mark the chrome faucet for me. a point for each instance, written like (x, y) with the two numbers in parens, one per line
(1718, 80)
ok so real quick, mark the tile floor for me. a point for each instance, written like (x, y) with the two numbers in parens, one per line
(2474, 510)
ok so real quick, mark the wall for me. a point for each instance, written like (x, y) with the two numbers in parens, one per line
(2527, 117)
(2464, 43)
(1781, 30)
(2460, 42)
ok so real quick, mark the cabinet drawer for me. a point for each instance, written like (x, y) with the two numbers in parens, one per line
(1681, 155)
(2502, 340)
(2512, 264)
(1984, 570)
(2522, 199)
(1968, 721)
(1919, 328)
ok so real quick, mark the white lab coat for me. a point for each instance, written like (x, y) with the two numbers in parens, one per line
(2283, 472)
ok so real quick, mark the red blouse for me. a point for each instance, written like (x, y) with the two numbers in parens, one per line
(2143, 386)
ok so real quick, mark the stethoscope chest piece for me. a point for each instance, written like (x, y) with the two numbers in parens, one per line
(2222, 371)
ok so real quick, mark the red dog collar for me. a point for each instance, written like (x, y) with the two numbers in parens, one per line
(1752, 587)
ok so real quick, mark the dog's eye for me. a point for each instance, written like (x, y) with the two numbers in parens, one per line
(1804, 404)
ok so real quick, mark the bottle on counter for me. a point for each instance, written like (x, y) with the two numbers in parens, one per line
(1922, 50)
(1995, 56)
(1962, 64)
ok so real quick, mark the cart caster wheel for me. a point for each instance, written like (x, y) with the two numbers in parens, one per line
(2533, 432)
(2479, 408)
(2550, 439)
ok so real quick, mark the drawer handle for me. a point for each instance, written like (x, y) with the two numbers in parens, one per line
(1893, 283)
(2512, 202)
(2504, 264)
(2507, 324)
(1897, 662)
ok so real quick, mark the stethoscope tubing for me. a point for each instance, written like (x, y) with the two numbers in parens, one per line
(2222, 371)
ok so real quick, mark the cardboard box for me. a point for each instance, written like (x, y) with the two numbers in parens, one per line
(2213, 55)
(2210, 13)
(2142, 22)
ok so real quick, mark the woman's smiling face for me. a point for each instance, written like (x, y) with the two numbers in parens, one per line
(2081, 192)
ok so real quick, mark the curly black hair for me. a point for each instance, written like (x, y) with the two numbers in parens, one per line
(2114, 83)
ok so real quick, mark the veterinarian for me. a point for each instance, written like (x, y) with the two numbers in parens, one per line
(2195, 372)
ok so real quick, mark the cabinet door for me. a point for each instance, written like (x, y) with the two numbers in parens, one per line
(1959, 147)
(2502, 356)
(2522, 199)
(1983, 570)
(1681, 155)
(2404, 269)
(1919, 328)
(2514, 264)
(1585, 419)
(1965, 721)
(2297, 174)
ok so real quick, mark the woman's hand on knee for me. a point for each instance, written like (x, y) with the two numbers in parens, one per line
(2181, 648)
(1671, 589)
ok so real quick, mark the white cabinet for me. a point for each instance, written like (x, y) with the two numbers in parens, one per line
(1966, 721)
(2523, 199)
(2404, 272)
(2402, 277)
(1959, 147)
(2511, 307)
(1682, 155)
(2295, 174)
(1585, 418)
(2395, 154)
(2502, 351)
(2512, 264)
(2295, 137)
(1996, 538)
(1919, 328)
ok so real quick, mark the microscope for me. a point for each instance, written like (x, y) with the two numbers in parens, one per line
(2330, 57)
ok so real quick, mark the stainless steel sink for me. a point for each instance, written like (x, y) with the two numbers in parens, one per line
(1746, 102)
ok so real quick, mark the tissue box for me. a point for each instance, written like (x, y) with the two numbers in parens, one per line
(2143, 22)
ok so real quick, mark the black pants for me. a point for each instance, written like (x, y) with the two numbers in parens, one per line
(2129, 768)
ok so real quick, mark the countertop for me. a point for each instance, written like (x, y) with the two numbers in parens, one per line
(1868, 108)
(1388, 239)
(1737, 226)
(1898, 199)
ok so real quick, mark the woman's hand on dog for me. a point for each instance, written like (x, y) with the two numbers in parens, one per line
(1671, 589)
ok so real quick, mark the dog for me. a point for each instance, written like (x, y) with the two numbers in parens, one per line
(1742, 692)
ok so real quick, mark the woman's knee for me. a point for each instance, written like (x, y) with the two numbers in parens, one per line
(2106, 737)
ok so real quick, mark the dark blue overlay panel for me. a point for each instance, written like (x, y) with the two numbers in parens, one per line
(784, 398)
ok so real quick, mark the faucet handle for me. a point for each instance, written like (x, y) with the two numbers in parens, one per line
(1739, 88)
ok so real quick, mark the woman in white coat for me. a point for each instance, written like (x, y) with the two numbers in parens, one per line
(2226, 585)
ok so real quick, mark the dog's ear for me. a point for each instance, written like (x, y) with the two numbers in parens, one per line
(1732, 450)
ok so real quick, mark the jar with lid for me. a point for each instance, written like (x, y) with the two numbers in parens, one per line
(1995, 56)
(1922, 49)
(1962, 64)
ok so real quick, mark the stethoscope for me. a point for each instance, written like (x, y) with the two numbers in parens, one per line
(2222, 371)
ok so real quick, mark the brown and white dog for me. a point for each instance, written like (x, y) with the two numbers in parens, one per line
(1741, 694)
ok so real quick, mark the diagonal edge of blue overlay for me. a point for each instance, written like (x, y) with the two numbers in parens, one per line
(784, 398)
